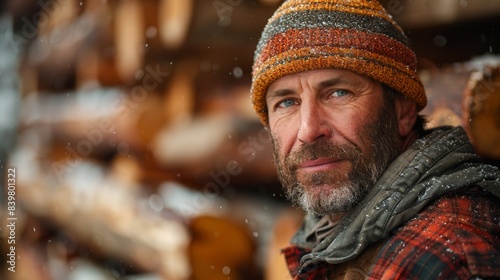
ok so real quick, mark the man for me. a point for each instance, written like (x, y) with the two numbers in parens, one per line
(336, 84)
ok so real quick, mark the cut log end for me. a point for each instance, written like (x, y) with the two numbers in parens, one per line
(482, 107)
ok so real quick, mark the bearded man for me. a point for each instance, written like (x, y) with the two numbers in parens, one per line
(336, 84)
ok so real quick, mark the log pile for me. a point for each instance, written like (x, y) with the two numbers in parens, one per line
(110, 91)
(139, 151)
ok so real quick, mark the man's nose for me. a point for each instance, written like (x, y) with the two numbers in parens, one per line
(313, 123)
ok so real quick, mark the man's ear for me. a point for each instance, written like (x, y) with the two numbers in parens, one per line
(406, 112)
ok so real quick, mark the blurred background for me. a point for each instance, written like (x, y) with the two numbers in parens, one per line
(129, 148)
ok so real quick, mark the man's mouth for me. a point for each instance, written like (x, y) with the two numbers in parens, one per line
(320, 164)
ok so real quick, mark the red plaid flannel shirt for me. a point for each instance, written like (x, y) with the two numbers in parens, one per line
(456, 237)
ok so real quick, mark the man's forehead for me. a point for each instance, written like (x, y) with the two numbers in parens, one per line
(318, 78)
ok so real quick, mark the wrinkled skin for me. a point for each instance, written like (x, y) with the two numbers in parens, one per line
(334, 133)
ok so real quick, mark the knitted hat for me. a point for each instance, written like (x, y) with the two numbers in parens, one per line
(355, 35)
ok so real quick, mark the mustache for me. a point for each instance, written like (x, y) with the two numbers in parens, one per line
(320, 149)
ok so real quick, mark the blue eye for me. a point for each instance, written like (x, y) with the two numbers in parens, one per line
(340, 93)
(286, 103)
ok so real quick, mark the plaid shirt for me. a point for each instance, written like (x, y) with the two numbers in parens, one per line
(456, 237)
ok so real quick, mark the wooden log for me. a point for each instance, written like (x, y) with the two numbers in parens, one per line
(207, 148)
(96, 62)
(482, 111)
(87, 69)
(129, 38)
(467, 94)
(57, 15)
(180, 145)
(221, 249)
(174, 21)
(57, 54)
(28, 78)
(223, 99)
(100, 214)
(180, 95)
(444, 89)
(285, 227)
(30, 266)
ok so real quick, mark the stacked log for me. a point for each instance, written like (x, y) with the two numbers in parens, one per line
(175, 19)
(467, 94)
(133, 94)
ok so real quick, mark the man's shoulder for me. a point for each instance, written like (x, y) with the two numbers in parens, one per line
(472, 210)
(458, 235)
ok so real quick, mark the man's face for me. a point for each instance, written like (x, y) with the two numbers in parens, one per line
(334, 134)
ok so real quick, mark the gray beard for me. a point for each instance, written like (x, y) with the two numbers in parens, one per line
(346, 189)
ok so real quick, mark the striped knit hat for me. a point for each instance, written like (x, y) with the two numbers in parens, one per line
(356, 35)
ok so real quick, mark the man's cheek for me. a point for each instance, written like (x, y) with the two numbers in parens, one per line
(282, 144)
